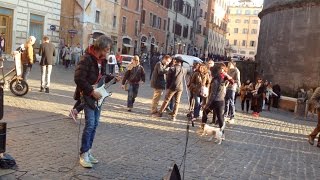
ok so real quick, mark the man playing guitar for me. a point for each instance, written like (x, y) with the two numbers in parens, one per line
(87, 74)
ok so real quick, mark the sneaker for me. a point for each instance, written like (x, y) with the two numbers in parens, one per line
(73, 114)
(311, 140)
(41, 89)
(173, 118)
(47, 90)
(158, 114)
(92, 159)
(84, 160)
(129, 109)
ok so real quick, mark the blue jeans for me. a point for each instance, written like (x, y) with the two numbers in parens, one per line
(132, 94)
(26, 68)
(230, 103)
(197, 106)
(111, 68)
(92, 117)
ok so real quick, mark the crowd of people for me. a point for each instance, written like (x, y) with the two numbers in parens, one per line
(213, 88)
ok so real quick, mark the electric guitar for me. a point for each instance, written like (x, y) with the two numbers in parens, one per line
(102, 88)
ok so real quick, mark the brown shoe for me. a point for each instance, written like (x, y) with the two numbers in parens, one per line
(311, 140)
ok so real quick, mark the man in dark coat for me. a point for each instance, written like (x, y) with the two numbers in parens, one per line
(174, 87)
(87, 75)
(47, 52)
(153, 61)
(158, 82)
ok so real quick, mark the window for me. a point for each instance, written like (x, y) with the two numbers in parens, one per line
(255, 21)
(242, 52)
(245, 31)
(138, 5)
(205, 15)
(126, 3)
(247, 12)
(251, 53)
(124, 25)
(235, 42)
(200, 13)
(114, 21)
(246, 21)
(178, 28)
(253, 31)
(168, 4)
(185, 31)
(164, 24)
(235, 30)
(36, 28)
(252, 44)
(150, 19)
(191, 33)
(159, 23)
(204, 31)
(244, 42)
(256, 12)
(154, 21)
(97, 17)
(238, 11)
(168, 28)
(238, 21)
(136, 28)
(143, 16)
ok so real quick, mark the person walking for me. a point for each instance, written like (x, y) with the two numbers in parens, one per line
(112, 62)
(2, 44)
(47, 53)
(76, 54)
(158, 81)
(174, 88)
(258, 95)
(87, 74)
(216, 101)
(315, 101)
(134, 76)
(67, 56)
(27, 58)
(234, 72)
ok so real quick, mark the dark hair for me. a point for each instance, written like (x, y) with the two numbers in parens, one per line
(102, 42)
(46, 38)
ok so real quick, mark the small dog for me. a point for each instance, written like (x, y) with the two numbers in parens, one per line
(213, 132)
(310, 109)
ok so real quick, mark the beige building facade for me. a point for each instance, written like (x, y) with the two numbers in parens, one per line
(21, 19)
(243, 28)
(82, 21)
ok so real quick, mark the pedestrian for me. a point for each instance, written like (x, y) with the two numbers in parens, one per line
(158, 81)
(27, 58)
(276, 89)
(269, 95)
(76, 54)
(257, 97)
(234, 72)
(67, 56)
(134, 76)
(87, 74)
(119, 61)
(174, 88)
(195, 68)
(315, 101)
(47, 52)
(2, 44)
(112, 62)
(216, 101)
(246, 94)
(200, 80)
(153, 61)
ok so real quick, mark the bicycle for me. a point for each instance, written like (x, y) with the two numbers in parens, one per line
(17, 85)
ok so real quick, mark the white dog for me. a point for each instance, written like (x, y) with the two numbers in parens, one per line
(213, 132)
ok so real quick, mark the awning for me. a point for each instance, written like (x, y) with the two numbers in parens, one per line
(127, 45)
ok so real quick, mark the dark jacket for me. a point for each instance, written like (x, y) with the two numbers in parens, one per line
(134, 75)
(175, 78)
(87, 73)
(158, 76)
(47, 51)
(217, 89)
(197, 81)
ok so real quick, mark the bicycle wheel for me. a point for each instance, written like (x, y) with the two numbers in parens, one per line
(19, 87)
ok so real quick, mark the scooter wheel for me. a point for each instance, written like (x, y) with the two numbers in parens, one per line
(19, 87)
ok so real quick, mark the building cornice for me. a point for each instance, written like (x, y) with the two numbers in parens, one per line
(280, 6)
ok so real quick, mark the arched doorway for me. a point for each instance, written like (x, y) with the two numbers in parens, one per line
(126, 45)
(143, 45)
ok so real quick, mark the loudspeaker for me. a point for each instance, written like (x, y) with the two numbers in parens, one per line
(1, 102)
(3, 134)
(173, 173)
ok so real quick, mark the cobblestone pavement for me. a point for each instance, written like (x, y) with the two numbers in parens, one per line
(134, 145)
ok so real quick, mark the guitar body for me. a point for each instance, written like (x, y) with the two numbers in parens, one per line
(104, 94)
(102, 88)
